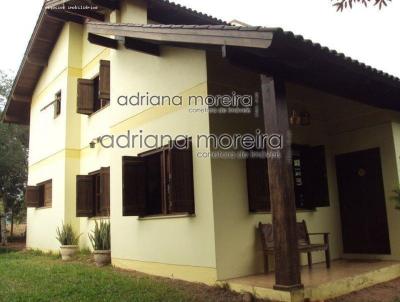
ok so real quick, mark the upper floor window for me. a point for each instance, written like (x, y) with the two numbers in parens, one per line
(94, 94)
(57, 104)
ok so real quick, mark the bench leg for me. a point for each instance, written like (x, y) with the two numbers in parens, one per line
(328, 258)
(309, 256)
(266, 264)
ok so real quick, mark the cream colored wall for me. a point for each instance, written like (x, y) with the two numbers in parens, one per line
(379, 136)
(47, 145)
(336, 124)
(177, 72)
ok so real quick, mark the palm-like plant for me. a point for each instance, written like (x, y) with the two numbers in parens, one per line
(100, 237)
(67, 236)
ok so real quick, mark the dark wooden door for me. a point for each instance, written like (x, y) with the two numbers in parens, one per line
(362, 203)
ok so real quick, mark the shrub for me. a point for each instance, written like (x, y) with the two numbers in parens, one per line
(67, 236)
(100, 237)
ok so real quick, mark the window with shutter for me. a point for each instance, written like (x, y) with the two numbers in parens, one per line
(40, 195)
(47, 193)
(104, 192)
(134, 186)
(181, 188)
(104, 82)
(84, 196)
(94, 94)
(32, 197)
(57, 105)
(159, 182)
(316, 179)
(86, 93)
(257, 184)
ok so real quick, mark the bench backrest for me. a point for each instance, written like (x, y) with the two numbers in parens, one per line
(267, 234)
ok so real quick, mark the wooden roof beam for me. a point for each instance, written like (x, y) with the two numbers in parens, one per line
(21, 98)
(12, 119)
(86, 13)
(142, 46)
(103, 41)
(110, 4)
(200, 36)
(38, 61)
(59, 16)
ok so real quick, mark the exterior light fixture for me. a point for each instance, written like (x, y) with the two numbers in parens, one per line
(93, 143)
(300, 119)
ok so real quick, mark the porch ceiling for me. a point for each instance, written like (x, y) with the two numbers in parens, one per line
(275, 52)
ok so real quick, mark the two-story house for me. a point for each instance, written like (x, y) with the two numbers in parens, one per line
(102, 82)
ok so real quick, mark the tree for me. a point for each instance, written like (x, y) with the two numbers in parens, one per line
(344, 4)
(13, 159)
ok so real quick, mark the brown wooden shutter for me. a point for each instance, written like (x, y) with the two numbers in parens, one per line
(32, 197)
(134, 186)
(257, 185)
(315, 177)
(85, 96)
(57, 105)
(104, 81)
(181, 188)
(84, 196)
(105, 191)
(48, 193)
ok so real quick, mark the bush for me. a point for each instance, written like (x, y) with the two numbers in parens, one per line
(67, 236)
(100, 237)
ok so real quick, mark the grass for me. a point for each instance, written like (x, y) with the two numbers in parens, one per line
(34, 276)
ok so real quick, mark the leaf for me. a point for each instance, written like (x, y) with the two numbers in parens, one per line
(344, 4)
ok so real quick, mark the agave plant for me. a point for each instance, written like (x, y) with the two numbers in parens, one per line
(100, 237)
(67, 236)
(396, 198)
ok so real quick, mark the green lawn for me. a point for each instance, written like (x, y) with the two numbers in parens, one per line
(29, 276)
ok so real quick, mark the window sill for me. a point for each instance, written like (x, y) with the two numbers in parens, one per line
(99, 218)
(44, 208)
(100, 110)
(297, 211)
(172, 216)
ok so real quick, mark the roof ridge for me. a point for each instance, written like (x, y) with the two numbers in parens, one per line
(191, 10)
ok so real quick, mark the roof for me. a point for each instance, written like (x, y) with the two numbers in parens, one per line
(276, 52)
(228, 30)
(45, 35)
(265, 50)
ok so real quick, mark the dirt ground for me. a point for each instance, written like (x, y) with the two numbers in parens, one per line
(385, 292)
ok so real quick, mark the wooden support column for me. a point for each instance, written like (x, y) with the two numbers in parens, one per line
(276, 120)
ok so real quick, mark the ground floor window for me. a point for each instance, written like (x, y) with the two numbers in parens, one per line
(309, 180)
(39, 196)
(159, 182)
(93, 194)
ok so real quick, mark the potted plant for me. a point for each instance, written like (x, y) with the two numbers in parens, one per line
(101, 242)
(69, 242)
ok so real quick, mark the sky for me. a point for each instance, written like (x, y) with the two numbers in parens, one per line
(366, 34)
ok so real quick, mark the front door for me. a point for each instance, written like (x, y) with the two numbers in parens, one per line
(362, 203)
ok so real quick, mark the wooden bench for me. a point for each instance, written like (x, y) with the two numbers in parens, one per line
(304, 243)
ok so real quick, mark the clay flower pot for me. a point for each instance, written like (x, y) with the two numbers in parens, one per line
(102, 258)
(68, 252)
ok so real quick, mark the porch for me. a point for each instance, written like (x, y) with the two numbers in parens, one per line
(344, 277)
